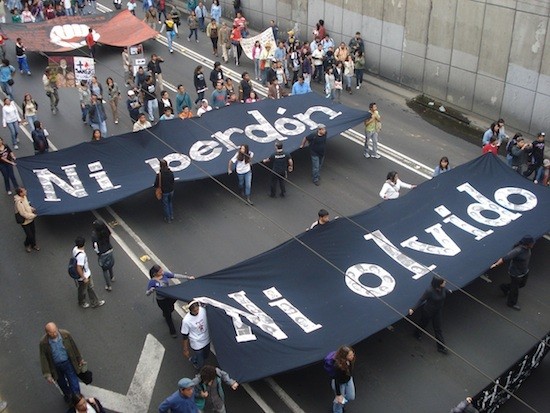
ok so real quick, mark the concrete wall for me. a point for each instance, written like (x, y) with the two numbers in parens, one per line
(491, 57)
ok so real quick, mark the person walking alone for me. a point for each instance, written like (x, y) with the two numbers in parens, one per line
(432, 302)
(60, 360)
(281, 162)
(518, 269)
(165, 182)
(7, 162)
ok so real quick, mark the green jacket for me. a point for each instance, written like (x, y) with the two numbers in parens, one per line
(46, 358)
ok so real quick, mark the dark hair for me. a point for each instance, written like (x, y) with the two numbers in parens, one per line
(163, 165)
(79, 241)
(341, 361)
(322, 213)
(76, 397)
(154, 270)
(19, 190)
(208, 373)
(100, 229)
(391, 176)
(444, 159)
(437, 282)
(198, 69)
(279, 145)
(244, 156)
(493, 139)
(371, 105)
(36, 124)
(5, 62)
(244, 74)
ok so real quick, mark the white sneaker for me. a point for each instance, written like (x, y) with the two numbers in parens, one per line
(357, 87)
(15, 146)
(85, 305)
(99, 304)
(376, 156)
(366, 155)
(9, 192)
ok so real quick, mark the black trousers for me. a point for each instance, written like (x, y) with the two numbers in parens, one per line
(437, 321)
(30, 232)
(275, 177)
(512, 289)
(167, 307)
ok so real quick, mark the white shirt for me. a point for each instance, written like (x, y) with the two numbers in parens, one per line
(10, 114)
(141, 126)
(82, 260)
(196, 327)
(391, 190)
(202, 110)
(242, 167)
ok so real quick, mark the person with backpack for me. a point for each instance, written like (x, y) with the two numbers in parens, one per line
(339, 365)
(40, 138)
(78, 265)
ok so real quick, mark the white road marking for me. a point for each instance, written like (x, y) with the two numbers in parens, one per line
(141, 388)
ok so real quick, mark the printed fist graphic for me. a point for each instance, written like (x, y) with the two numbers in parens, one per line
(71, 36)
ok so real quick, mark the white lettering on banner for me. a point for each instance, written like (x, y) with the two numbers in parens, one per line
(461, 224)
(354, 273)
(395, 254)
(225, 138)
(47, 179)
(204, 151)
(256, 316)
(486, 205)
(448, 246)
(306, 117)
(295, 315)
(178, 158)
(502, 196)
(263, 126)
(101, 177)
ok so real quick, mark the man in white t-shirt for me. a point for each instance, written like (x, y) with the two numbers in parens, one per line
(194, 328)
(85, 283)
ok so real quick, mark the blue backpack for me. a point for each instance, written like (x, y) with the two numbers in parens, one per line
(71, 268)
(328, 364)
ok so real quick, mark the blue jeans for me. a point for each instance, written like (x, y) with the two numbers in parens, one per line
(347, 390)
(31, 120)
(102, 126)
(199, 356)
(316, 163)
(245, 180)
(85, 111)
(191, 31)
(7, 89)
(170, 38)
(7, 173)
(372, 136)
(152, 105)
(14, 131)
(167, 208)
(23, 65)
(67, 378)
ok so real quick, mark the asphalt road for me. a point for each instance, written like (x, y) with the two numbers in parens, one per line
(394, 373)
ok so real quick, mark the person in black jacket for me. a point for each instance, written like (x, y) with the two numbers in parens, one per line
(39, 138)
(536, 156)
(518, 269)
(216, 74)
(432, 310)
(165, 181)
(101, 241)
(200, 83)
(281, 162)
(342, 383)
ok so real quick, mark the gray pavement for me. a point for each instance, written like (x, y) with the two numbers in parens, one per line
(394, 372)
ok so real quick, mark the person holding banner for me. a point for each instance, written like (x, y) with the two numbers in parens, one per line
(243, 166)
(342, 383)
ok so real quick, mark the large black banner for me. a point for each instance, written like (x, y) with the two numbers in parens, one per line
(493, 396)
(289, 307)
(96, 174)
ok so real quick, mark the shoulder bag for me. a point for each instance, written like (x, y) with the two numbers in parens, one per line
(158, 190)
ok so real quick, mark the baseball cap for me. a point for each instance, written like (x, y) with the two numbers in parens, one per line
(185, 383)
(546, 163)
(541, 134)
(192, 303)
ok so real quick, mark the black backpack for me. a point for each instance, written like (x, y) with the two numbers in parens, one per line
(72, 267)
